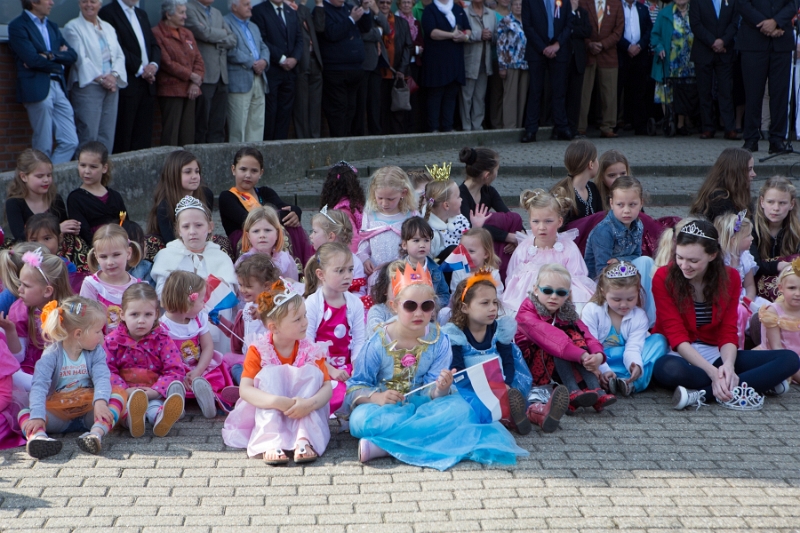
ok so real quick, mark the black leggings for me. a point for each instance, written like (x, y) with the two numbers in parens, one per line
(760, 369)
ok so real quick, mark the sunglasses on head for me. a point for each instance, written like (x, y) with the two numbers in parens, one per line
(426, 306)
(547, 291)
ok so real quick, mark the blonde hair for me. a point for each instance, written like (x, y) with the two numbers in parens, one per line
(177, 291)
(112, 235)
(57, 277)
(27, 161)
(72, 314)
(608, 158)
(666, 243)
(577, 157)
(320, 260)
(266, 304)
(340, 226)
(790, 241)
(436, 193)
(728, 234)
(258, 214)
(605, 284)
(11, 264)
(392, 178)
(541, 199)
(485, 238)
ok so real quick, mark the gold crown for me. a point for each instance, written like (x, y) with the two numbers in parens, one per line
(440, 173)
(418, 275)
(482, 274)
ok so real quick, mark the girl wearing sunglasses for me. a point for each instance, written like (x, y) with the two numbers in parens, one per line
(554, 341)
(399, 400)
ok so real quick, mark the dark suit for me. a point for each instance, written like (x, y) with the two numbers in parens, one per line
(581, 30)
(135, 111)
(283, 40)
(635, 71)
(308, 99)
(765, 58)
(534, 24)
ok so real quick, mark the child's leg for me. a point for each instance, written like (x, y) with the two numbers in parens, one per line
(565, 373)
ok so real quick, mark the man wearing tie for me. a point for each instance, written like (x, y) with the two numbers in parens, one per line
(142, 56)
(283, 35)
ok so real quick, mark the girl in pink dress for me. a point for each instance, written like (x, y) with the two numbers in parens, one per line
(780, 321)
(343, 192)
(335, 315)
(285, 386)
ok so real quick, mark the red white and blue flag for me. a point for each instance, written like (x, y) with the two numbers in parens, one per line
(484, 388)
(459, 259)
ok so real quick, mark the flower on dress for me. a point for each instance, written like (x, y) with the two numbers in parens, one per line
(408, 360)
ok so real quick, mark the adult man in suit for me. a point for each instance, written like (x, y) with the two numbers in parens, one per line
(247, 63)
(282, 33)
(142, 55)
(581, 30)
(548, 28)
(765, 42)
(214, 39)
(41, 53)
(607, 21)
(308, 98)
(635, 62)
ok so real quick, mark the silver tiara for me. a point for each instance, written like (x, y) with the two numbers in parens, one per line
(744, 398)
(324, 211)
(189, 202)
(622, 270)
(692, 229)
(285, 296)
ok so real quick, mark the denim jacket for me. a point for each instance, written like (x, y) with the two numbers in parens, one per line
(611, 239)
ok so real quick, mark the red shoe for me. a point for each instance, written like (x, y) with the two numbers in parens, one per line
(604, 401)
(547, 415)
(583, 398)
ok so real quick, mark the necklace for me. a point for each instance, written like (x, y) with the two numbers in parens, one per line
(588, 202)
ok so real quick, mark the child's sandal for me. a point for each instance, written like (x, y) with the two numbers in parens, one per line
(282, 459)
(302, 455)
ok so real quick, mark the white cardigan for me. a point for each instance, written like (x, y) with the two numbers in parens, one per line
(315, 308)
(634, 330)
(82, 37)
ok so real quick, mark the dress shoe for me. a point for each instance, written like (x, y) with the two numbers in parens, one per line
(778, 148)
(733, 135)
(608, 134)
(707, 135)
(529, 137)
(751, 146)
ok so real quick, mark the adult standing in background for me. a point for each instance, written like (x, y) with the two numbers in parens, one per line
(214, 38)
(307, 112)
(134, 129)
(635, 63)
(369, 92)
(247, 77)
(283, 35)
(180, 75)
(765, 40)
(477, 64)
(41, 53)
(97, 75)
(581, 30)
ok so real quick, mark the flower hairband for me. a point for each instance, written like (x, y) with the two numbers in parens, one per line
(324, 211)
(739, 218)
(34, 259)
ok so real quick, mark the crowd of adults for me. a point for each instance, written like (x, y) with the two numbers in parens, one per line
(259, 72)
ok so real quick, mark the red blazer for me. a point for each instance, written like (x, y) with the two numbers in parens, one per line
(180, 56)
(609, 33)
(679, 325)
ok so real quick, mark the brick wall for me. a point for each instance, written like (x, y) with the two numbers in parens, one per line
(15, 130)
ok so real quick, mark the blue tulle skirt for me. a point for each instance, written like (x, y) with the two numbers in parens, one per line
(434, 433)
(655, 346)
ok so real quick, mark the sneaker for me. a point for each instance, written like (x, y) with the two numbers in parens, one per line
(90, 443)
(604, 401)
(41, 446)
(583, 398)
(205, 397)
(781, 388)
(516, 404)
(684, 397)
(169, 414)
(137, 410)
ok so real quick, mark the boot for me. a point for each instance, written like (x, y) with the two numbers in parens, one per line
(547, 415)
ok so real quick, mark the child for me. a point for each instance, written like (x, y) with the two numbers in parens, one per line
(44, 229)
(477, 334)
(285, 386)
(11, 399)
(478, 243)
(187, 324)
(433, 427)
(381, 294)
(580, 160)
(553, 338)
(110, 257)
(390, 201)
(335, 315)
(440, 205)
(735, 237)
(616, 318)
(71, 383)
(416, 236)
(264, 234)
(780, 322)
(612, 164)
(343, 191)
(542, 246)
(144, 361)
(334, 226)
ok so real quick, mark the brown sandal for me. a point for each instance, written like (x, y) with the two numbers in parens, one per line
(302, 455)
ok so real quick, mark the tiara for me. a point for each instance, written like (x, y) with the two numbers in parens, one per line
(744, 398)
(189, 202)
(482, 274)
(622, 270)
(419, 275)
(324, 211)
(692, 229)
(739, 218)
(34, 259)
(288, 293)
(440, 173)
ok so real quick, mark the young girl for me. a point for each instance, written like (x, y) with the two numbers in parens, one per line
(335, 315)
(390, 202)
(334, 226)
(735, 237)
(187, 324)
(776, 235)
(612, 164)
(545, 245)
(780, 322)
(71, 383)
(431, 427)
(285, 386)
(415, 242)
(110, 257)
(616, 318)
(478, 243)
(580, 160)
(478, 334)
(263, 234)
(727, 186)
(44, 229)
(343, 191)
(145, 362)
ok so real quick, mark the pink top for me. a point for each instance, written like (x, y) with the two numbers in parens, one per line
(109, 295)
(355, 217)
(18, 314)
(789, 328)
(334, 329)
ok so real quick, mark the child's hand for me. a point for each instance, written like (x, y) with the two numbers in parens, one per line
(102, 412)
(387, 397)
(338, 374)
(369, 267)
(190, 377)
(605, 377)
(302, 408)
(479, 217)
(636, 373)
(444, 382)
(33, 426)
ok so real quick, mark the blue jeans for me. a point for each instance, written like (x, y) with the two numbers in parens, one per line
(53, 115)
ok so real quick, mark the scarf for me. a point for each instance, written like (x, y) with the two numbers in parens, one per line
(248, 200)
(411, 24)
(446, 8)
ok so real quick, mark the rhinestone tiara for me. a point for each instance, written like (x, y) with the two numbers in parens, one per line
(622, 270)
(189, 202)
(744, 399)
(692, 229)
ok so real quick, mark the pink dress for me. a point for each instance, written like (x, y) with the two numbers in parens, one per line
(10, 401)
(789, 326)
(334, 329)
(523, 271)
(263, 430)
(18, 314)
(109, 295)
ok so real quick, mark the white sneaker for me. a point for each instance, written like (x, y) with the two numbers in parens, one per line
(684, 397)
(205, 397)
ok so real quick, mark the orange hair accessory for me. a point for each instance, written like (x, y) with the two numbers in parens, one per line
(417, 276)
(51, 306)
(482, 274)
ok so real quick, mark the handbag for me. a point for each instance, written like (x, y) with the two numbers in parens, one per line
(401, 96)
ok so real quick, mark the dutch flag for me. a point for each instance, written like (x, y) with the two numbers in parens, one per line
(459, 259)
